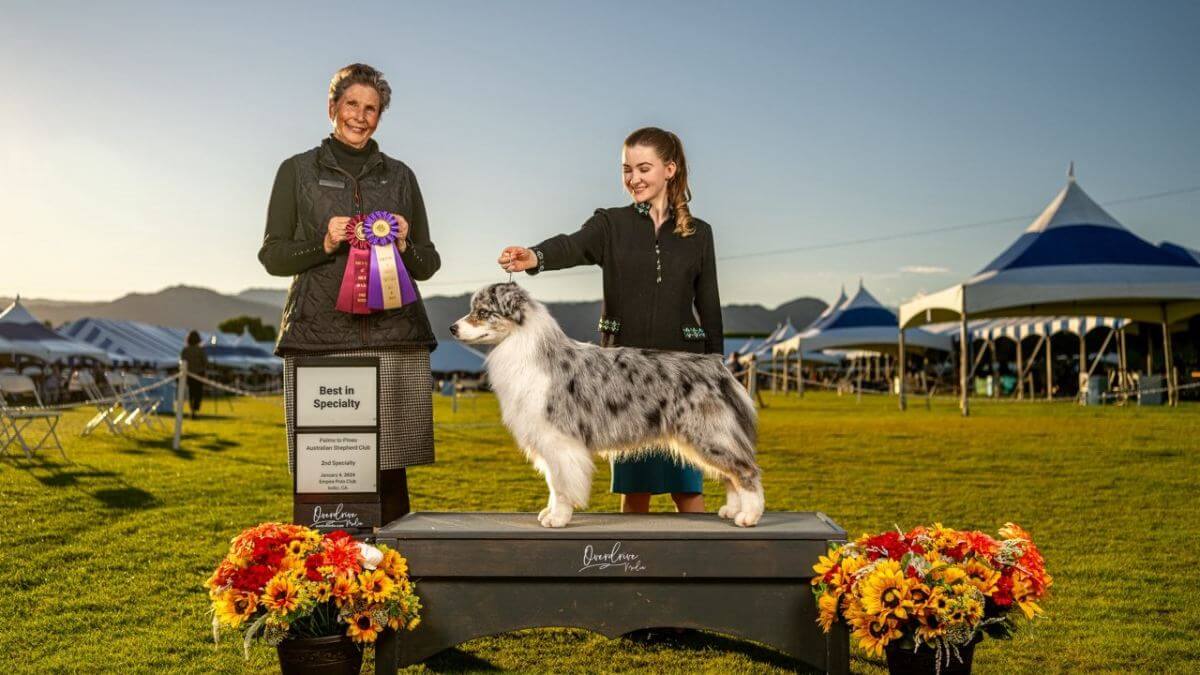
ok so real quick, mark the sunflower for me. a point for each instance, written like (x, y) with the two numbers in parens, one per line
(234, 607)
(875, 634)
(375, 585)
(281, 594)
(885, 592)
(343, 589)
(362, 628)
(827, 608)
(981, 576)
(322, 591)
(394, 564)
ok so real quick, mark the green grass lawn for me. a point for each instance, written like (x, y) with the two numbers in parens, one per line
(102, 557)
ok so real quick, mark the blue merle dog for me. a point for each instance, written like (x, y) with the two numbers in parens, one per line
(566, 401)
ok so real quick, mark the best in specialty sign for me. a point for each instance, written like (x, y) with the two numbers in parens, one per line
(337, 443)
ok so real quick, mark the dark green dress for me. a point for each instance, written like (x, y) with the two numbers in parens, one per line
(660, 292)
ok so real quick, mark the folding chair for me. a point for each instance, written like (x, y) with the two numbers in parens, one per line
(132, 417)
(147, 406)
(108, 413)
(19, 419)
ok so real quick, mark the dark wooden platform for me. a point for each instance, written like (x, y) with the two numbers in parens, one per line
(481, 574)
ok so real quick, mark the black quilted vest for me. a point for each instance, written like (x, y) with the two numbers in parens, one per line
(310, 322)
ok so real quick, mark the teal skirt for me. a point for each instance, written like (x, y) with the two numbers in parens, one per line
(657, 473)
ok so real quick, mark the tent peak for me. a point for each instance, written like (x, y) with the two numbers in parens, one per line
(1071, 172)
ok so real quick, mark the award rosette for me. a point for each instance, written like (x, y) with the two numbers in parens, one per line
(389, 285)
(352, 296)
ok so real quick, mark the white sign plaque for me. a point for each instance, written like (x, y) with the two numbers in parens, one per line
(336, 396)
(336, 462)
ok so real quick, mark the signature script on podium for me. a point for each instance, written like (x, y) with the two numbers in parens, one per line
(339, 518)
(614, 558)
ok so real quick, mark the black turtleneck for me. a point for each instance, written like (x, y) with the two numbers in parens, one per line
(350, 158)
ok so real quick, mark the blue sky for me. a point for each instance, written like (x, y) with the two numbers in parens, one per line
(141, 139)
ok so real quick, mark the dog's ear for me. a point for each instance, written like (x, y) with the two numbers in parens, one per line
(512, 301)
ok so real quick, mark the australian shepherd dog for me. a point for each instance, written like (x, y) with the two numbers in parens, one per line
(566, 401)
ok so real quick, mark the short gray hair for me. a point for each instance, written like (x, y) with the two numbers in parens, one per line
(360, 73)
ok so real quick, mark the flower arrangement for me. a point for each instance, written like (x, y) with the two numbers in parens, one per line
(287, 581)
(931, 586)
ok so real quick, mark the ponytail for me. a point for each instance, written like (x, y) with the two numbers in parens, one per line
(670, 149)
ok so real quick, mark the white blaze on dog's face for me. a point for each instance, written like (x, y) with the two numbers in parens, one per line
(496, 311)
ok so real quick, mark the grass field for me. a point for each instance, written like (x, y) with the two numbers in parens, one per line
(102, 558)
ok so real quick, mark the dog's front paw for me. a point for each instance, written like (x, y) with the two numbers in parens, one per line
(557, 518)
(543, 513)
(728, 512)
(748, 517)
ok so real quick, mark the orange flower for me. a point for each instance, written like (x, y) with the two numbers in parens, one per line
(343, 589)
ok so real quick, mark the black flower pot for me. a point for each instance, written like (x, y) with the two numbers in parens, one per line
(903, 661)
(332, 655)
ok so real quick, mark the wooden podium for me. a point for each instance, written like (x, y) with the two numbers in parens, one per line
(481, 574)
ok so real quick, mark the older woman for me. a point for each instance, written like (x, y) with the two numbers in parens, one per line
(315, 195)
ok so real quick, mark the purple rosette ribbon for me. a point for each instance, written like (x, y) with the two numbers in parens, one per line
(390, 285)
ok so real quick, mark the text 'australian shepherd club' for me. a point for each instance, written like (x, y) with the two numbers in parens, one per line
(565, 401)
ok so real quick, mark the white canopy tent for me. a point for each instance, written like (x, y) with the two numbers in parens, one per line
(859, 324)
(1074, 259)
(22, 333)
(134, 341)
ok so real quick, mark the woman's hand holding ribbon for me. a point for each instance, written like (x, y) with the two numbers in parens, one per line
(402, 235)
(335, 233)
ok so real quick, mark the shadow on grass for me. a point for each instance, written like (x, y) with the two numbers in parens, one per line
(455, 660)
(126, 498)
(209, 441)
(695, 640)
(106, 487)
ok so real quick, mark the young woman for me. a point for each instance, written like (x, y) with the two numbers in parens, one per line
(660, 288)
(315, 194)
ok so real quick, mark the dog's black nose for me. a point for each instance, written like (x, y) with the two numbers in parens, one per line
(454, 329)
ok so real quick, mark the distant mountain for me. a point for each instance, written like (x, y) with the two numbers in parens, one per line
(191, 307)
(267, 296)
(177, 307)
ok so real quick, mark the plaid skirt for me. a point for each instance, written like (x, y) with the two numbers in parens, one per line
(405, 405)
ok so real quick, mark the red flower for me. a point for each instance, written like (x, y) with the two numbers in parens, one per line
(253, 578)
(1003, 594)
(311, 563)
(336, 535)
(889, 543)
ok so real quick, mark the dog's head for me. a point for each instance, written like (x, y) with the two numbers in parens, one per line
(496, 311)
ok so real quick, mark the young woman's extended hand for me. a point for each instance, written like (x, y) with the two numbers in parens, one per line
(517, 259)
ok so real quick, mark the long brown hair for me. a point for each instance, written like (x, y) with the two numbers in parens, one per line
(669, 148)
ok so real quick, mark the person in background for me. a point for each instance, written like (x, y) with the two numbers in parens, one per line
(197, 362)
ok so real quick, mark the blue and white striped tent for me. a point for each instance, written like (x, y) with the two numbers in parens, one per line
(823, 317)
(1073, 260)
(136, 342)
(860, 324)
(763, 351)
(1019, 328)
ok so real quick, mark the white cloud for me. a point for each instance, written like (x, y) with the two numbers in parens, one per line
(924, 269)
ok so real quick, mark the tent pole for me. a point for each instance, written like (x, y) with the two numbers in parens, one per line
(774, 374)
(1124, 363)
(1083, 369)
(858, 394)
(1167, 359)
(784, 374)
(800, 372)
(1049, 370)
(995, 369)
(900, 372)
(1020, 372)
(964, 348)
